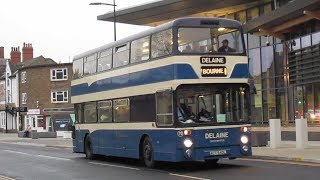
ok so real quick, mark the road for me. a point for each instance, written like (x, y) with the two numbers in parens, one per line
(31, 162)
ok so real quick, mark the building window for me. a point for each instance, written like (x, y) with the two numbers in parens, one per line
(3, 120)
(59, 96)
(23, 77)
(59, 74)
(24, 98)
(9, 95)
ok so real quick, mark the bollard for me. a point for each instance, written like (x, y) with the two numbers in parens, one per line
(301, 133)
(275, 133)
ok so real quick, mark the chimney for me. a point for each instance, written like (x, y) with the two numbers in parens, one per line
(15, 55)
(2, 52)
(27, 52)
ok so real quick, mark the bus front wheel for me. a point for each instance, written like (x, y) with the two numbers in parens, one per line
(147, 154)
(88, 148)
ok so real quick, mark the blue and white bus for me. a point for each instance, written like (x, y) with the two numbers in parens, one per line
(177, 92)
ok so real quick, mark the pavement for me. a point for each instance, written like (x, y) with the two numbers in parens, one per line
(286, 152)
(59, 142)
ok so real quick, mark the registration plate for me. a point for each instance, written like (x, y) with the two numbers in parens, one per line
(218, 153)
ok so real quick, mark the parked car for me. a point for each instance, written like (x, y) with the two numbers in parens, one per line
(313, 115)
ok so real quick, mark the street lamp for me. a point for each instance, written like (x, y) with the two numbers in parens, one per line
(114, 15)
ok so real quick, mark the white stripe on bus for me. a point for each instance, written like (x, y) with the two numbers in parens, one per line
(194, 61)
(146, 126)
(147, 89)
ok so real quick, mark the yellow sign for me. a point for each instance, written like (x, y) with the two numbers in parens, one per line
(214, 71)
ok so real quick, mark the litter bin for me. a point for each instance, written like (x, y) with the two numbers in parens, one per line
(34, 134)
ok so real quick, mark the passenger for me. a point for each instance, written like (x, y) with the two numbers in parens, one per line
(196, 47)
(187, 49)
(225, 47)
(181, 113)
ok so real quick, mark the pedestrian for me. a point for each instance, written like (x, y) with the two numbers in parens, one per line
(27, 131)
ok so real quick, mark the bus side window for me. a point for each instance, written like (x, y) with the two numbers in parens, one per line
(105, 60)
(140, 49)
(78, 113)
(90, 112)
(90, 64)
(121, 110)
(77, 68)
(121, 55)
(161, 43)
(164, 108)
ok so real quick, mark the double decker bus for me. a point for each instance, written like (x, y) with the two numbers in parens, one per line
(177, 92)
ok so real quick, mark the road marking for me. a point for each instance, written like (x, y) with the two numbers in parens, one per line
(17, 152)
(112, 165)
(51, 157)
(190, 177)
(37, 155)
(282, 162)
(5, 178)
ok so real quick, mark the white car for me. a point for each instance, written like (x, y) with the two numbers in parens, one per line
(313, 115)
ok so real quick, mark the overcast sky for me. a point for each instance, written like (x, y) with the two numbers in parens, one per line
(59, 29)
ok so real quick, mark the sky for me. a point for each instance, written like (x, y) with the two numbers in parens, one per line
(60, 29)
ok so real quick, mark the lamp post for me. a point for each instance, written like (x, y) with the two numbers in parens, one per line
(114, 15)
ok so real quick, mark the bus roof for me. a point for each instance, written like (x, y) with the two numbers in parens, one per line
(181, 22)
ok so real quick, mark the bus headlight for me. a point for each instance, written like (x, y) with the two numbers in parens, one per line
(187, 143)
(312, 116)
(244, 139)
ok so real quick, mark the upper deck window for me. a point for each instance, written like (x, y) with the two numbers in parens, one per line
(105, 60)
(161, 43)
(140, 49)
(121, 55)
(77, 68)
(90, 65)
(210, 40)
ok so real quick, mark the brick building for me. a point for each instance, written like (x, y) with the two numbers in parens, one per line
(44, 88)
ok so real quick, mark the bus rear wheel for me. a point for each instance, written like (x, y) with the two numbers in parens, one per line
(88, 148)
(147, 153)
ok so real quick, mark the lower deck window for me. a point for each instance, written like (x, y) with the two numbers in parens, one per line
(164, 108)
(105, 111)
(121, 110)
(90, 112)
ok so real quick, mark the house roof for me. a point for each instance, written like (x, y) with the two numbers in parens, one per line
(36, 62)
